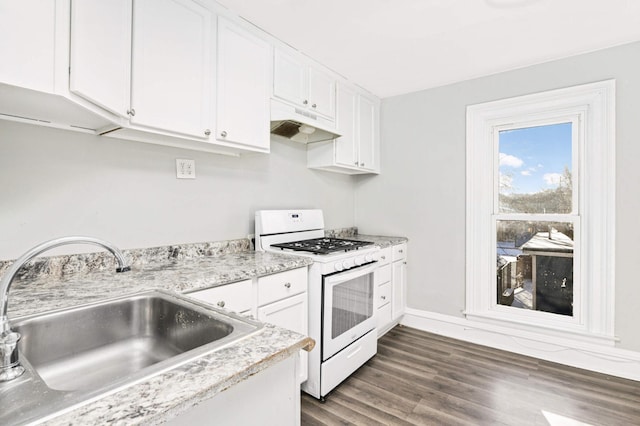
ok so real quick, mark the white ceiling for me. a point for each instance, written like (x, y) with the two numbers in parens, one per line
(392, 47)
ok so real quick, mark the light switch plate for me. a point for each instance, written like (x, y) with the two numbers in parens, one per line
(185, 169)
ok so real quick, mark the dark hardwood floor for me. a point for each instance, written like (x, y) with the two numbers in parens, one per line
(419, 378)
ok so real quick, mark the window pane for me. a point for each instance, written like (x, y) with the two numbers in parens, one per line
(534, 267)
(535, 169)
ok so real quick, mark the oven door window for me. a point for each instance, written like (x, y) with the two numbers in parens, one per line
(348, 309)
(352, 304)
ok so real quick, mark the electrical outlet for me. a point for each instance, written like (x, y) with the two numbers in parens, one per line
(185, 169)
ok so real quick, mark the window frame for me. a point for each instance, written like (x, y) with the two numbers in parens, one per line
(591, 109)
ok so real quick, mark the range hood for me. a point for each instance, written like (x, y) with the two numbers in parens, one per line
(300, 125)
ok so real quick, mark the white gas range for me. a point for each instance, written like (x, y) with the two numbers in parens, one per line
(341, 293)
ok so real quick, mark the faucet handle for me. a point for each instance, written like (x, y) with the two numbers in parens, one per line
(10, 367)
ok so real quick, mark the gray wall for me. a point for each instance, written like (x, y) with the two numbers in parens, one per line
(421, 191)
(56, 182)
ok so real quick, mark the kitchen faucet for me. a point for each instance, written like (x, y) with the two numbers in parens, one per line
(10, 367)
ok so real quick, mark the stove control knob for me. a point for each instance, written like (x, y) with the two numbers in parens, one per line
(347, 264)
(369, 258)
(359, 260)
(338, 266)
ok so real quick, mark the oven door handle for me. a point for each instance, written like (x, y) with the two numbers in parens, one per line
(351, 274)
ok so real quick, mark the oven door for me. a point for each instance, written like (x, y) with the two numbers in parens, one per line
(348, 308)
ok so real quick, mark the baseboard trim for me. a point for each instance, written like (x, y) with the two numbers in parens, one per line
(602, 359)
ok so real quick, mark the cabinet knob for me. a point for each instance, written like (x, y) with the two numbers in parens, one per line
(207, 132)
(383, 257)
(404, 263)
(361, 164)
(131, 112)
(223, 133)
(287, 285)
(305, 102)
(384, 297)
(356, 163)
(400, 251)
(313, 106)
(221, 303)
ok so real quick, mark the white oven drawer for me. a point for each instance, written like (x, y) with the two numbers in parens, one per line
(284, 284)
(383, 274)
(399, 252)
(384, 256)
(234, 297)
(384, 294)
(345, 362)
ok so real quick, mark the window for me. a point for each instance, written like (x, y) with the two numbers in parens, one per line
(540, 211)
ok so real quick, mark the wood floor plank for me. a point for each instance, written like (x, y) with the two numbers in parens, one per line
(424, 379)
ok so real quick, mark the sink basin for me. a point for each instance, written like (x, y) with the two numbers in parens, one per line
(75, 354)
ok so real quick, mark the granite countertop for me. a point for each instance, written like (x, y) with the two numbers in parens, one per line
(380, 241)
(162, 396)
(43, 293)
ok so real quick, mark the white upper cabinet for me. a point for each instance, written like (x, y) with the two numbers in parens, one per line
(243, 87)
(346, 148)
(100, 69)
(34, 76)
(171, 66)
(295, 81)
(357, 150)
(27, 43)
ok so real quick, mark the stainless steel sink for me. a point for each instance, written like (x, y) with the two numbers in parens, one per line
(78, 353)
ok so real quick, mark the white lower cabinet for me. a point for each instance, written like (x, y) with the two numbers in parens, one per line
(270, 398)
(282, 301)
(289, 313)
(235, 297)
(391, 278)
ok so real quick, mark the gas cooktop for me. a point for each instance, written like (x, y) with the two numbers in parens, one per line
(323, 245)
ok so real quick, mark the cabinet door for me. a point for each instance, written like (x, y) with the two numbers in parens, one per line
(289, 78)
(398, 283)
(27, 43)
(171, 67)
(367, 132)
(346, 146)
(322, 93)
(243, 78)
(101, 52)
(290, 313)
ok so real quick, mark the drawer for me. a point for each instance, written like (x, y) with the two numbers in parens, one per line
(384, 256)
(399, 252)
(384, 294)
(382, 274)
(383, 317)
(234, 297)
(284, 284)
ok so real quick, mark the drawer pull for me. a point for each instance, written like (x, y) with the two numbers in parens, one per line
(287, 285)
(383, 257)
(221, 303)
(400, 251)
(384, 297)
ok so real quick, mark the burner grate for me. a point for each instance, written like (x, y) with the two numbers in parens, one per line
(323, 245)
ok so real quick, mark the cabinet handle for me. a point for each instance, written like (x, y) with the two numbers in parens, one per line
(313, 106)
(131, 112)
(400, 251)
(221, 303)
(207, 132)
(287, 285)
(223, 133)
(305, 102)
(384, 297)
(383, 257)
